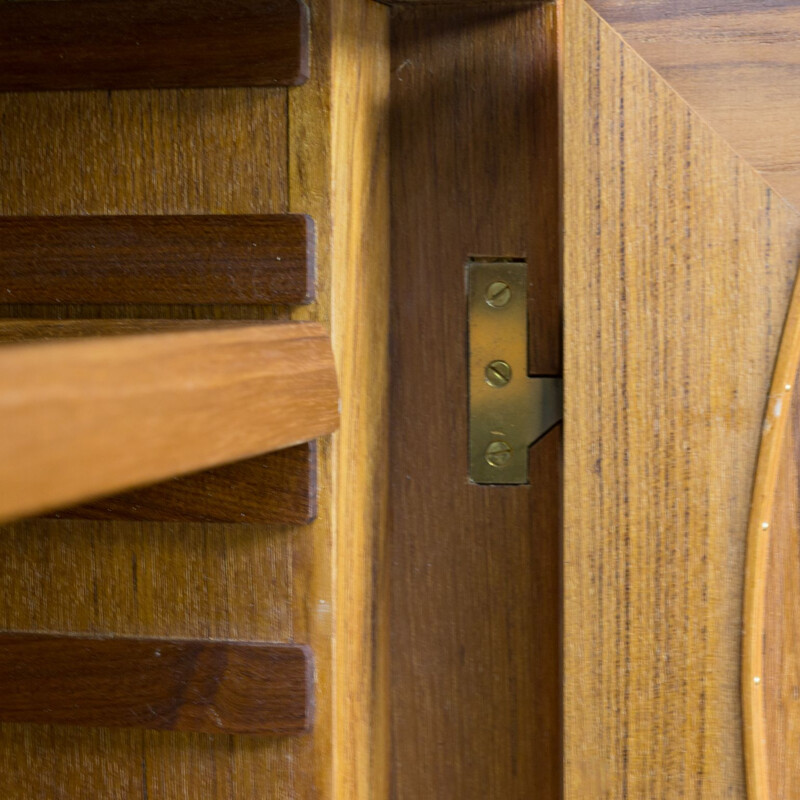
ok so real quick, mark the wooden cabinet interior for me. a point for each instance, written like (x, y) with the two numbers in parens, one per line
(220, 151)
(474, 569)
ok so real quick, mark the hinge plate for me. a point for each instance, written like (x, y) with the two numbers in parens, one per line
(508, 410)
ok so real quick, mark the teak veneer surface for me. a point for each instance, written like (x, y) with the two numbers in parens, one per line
(139, 44)
(198, 258)
(164, 684)
(474, 569)
(736, 62)
(87, 416)
(679, 263)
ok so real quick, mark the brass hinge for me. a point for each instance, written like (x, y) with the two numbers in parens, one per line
(508, 410)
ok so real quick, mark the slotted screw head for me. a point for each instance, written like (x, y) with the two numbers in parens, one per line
(498, 374)
(498, 294)
(498, 454)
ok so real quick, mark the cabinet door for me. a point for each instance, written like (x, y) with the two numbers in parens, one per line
(679, 261)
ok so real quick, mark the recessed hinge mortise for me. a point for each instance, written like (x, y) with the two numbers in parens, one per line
(508, 410)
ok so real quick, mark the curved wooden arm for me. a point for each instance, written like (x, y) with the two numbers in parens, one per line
(98, 413)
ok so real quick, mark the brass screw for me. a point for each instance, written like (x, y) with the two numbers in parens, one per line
(498, 294)
(498, 374)
(498, 454)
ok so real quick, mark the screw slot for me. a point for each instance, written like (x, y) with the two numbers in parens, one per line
(498, 374)
(498, 294)
(498, 454)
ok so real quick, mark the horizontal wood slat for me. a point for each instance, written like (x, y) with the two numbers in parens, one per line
(139, 44)
(164, 684)
(95, 415)
(246, 259)
(277, 487)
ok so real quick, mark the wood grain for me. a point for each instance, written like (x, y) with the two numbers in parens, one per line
(360, 303)
(217, 151)
(278, 487)
(128, 44)
(679, 262)
(248, 259)
(89, 416)
(736, 63)
(162, 684)
(233, 152)
(475, 606)
(770, 629)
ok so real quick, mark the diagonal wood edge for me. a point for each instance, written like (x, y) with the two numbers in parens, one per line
(736, 65)
(782, 396)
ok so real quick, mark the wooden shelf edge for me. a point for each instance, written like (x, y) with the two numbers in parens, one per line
(90, 416)
(167, 684)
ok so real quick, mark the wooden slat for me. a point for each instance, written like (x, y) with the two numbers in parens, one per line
(128, 44)
(678, 267)
(166, 152)
(277, 487)
(199, 686)
(243, 259)
(474, 569)
(90, 416)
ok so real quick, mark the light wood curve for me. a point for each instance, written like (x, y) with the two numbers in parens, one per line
(771, 524)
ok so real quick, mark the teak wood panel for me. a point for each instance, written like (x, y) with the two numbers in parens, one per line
(165, 152)
(771, 630)
(198, 686)
(139, 44)
(736, 63)
(88, 416)
(199, 258)
(278, 487)
(226, 151)
(475, 612)
(679, 262)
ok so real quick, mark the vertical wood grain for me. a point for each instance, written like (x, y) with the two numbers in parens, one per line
(360, 330)
(337, 129)
(474, 569)
(679, 263)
